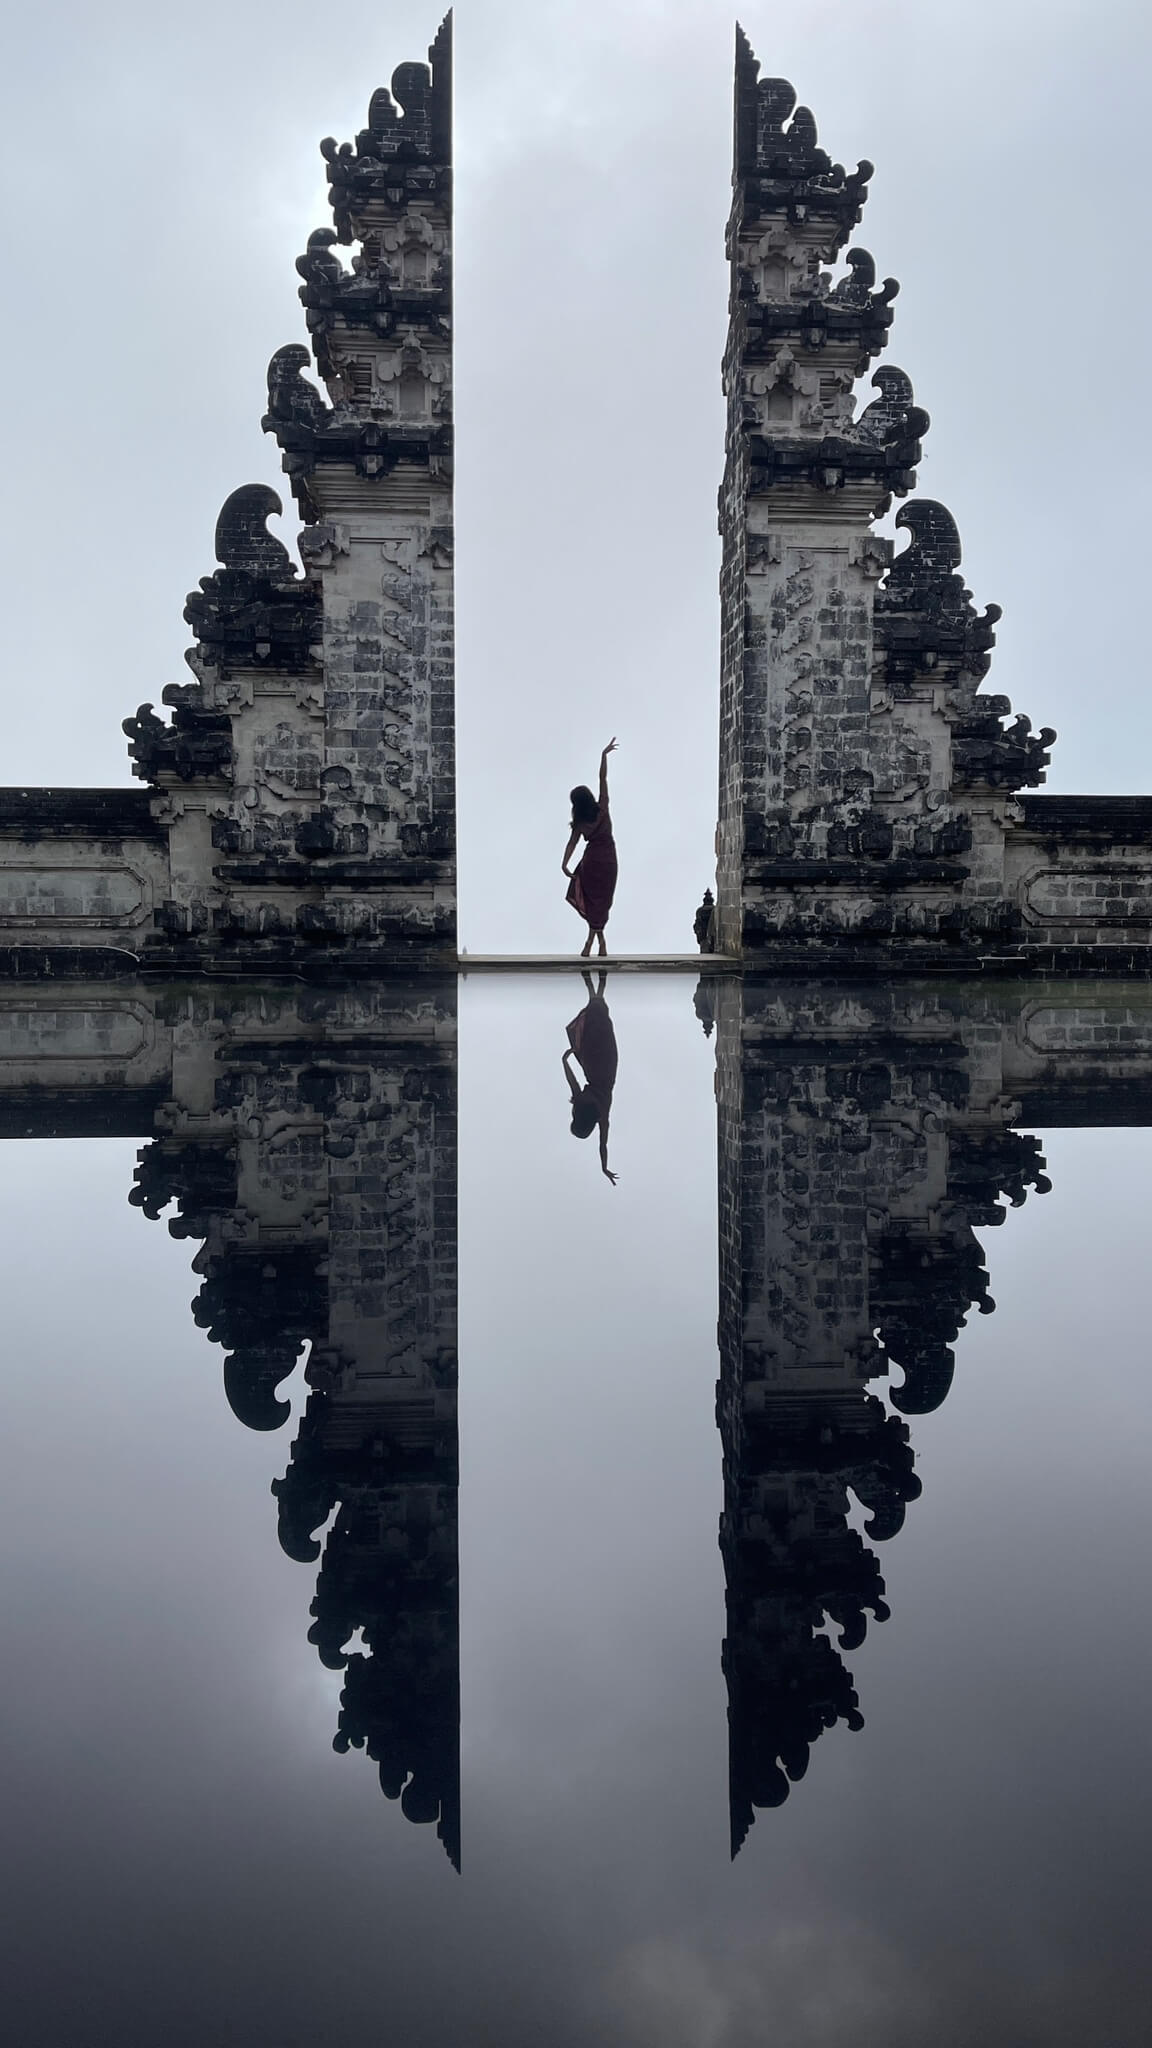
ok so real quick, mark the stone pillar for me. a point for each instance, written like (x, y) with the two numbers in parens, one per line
(372, 473)
(856, 767)
(306, 782)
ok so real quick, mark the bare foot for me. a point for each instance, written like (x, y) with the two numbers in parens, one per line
(602, 948)
(586, 950)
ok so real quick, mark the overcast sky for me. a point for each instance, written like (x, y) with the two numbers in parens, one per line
(161, 173)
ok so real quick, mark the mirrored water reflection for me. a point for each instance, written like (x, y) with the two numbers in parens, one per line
(966, 1848)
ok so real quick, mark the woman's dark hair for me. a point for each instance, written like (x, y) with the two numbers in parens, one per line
(585, 1114)
(585, 809)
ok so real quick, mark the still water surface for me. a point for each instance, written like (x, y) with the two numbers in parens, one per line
(186, 1858)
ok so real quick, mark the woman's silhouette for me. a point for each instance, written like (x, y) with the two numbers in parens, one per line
(592, 887)
(592, 1039)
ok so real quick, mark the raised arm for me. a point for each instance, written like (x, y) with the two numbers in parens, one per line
(609, 749)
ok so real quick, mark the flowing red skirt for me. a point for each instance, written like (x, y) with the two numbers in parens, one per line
(593, 885)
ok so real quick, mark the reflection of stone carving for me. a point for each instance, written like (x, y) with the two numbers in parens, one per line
(322, 1185)
(865, 1136)
(307, 1138)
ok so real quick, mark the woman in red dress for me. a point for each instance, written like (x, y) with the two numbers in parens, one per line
(593, 885)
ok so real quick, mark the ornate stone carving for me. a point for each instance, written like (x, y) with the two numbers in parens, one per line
(309, 432)
(336, 299)
(776, 148)
(857, 288)
(852, 733)
(924, 611)
(195, 747)
(986, 754)
(858, 1155)
(406, 145)
(256, 611)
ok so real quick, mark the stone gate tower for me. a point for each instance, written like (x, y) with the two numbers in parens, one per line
(299, 803)
(870, 807)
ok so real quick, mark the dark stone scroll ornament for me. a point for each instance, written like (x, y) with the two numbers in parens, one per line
(790, 1570)
(883, 445)
(924, 615)
(845, 315)
(786, 1682)
(292, 401)
(200, 1179)
(893, 421)
(987, 754)
(381, 187)
(927, 1283)
(261, 1305)
(195, 747)
(858, 287)
(390, 1572)
(308, 431)
(364, 1272)
(926, 628)
(776, 145)
(256, 610)
(795, 1449)
(358, 298)
(401, 1705)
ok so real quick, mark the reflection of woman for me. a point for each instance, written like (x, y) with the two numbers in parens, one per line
(592, 887)
(592, 1039)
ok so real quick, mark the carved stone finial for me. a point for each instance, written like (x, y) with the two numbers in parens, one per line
(776, 142)
(407, 143)
(924, 612)
(892, 421)
(320, 269)
(359, 299)
(927, 630)
(292, 401)
(256, 611)
(242, 537)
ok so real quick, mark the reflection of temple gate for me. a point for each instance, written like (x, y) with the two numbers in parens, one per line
(297, 816)
(309, 1142)
(865, 1134)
